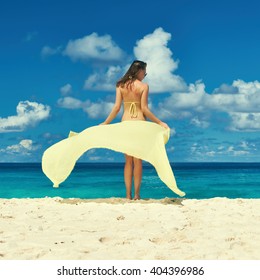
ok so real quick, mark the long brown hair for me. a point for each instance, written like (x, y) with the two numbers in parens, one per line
(132, 72)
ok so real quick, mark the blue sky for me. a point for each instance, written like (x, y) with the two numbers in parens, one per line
(60, 60)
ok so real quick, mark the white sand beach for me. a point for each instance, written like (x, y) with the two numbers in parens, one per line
(107, 229)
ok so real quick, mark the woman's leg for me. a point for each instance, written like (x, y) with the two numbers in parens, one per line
(138, 170)
(128, 174)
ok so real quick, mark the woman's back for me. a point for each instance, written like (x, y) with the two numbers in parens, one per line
(131, 95)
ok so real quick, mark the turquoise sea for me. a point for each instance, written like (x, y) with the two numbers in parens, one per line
(103, 180)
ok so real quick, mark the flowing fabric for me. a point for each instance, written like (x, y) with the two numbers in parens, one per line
(140, 139)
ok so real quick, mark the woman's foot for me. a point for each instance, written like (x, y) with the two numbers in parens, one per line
(137, 197)
(129, 197)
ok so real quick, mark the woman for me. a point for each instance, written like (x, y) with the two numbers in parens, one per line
(134, 94)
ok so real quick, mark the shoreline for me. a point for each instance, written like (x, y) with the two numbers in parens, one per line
(120, 229)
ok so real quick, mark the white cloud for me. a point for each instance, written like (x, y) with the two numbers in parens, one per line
(48, 51)
(98, 110)
(160, 63)
(51, 136)
(25, 147)
(26, 144)
(104, 81)
(247, 146)
(93, 46)
(199, 123)
(211, 153)
(247, 88)
(247, 98)
(240, 153)
(242, 106)
(233, 102)
(245, 121)
(94, 110)
(183, 105)
(66, 89)
(28, 114)
(225, 88)
(70, 103)
(192, 99)
(236, 150)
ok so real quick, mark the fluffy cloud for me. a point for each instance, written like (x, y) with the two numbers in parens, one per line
(242, 106)
(245, 121)
(244, 99)
(28, 114)
(160, 64)
(25, 147)
(153, 50)
(70, 103)
(104, 81)
(199, 123)
(93, 46)
(98, 109)
(183, 105)
(66, 89)
(247, 88)
(94, 110)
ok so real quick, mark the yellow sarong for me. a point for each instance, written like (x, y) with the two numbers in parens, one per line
(141, 139)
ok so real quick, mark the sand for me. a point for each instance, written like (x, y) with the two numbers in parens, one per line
(109, 229)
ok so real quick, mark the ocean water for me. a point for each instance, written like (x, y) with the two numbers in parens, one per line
(103, 180)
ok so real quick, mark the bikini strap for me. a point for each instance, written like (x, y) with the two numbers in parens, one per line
(133, 109)
(132, 102)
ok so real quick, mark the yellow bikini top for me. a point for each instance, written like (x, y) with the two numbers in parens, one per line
(132, 109)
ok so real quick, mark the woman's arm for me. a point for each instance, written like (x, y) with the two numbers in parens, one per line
(115, 110)
(146, 111)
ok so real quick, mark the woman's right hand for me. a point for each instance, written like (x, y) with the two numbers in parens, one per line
(165, 125)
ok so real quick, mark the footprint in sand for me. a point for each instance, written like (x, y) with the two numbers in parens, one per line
(230, 239)
(103, 239)
(237, 244)
(61, 242)
(120, 218)
(7, 217)
(155, 240)
(125, 242)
